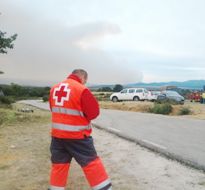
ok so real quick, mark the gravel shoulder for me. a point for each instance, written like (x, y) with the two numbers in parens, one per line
(25, 164)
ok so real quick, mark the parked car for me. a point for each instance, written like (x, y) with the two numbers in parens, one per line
(170, 95)
(134, 94)
(152, 95)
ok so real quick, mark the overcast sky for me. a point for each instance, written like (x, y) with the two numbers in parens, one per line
(116, 41)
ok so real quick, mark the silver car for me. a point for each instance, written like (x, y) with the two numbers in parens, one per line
(170, 95)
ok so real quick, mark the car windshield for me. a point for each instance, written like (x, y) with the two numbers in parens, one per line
(172, 93)
(124, 91)
(156, 92)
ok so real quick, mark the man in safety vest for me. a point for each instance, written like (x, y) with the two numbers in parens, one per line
(73, 107)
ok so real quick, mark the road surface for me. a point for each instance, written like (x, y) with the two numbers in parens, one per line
(178, 138)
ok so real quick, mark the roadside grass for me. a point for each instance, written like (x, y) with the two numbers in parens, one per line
(164, 108)
(102, 96)
(126, 106)
(185, 111)
(24, 150)
(11, 114)
(25, 155)
(190, 109)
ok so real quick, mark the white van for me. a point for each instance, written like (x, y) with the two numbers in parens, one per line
(134, 94)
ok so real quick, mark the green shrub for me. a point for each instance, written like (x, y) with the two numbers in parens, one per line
(164, 108)
(6, 100)
(184, 111)
(2, 117)
(167, 101)
(6, 116)
(45, 98)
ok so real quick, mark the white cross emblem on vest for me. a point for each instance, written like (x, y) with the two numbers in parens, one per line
(61, 94)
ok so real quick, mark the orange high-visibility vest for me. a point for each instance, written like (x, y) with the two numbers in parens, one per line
(68, 120)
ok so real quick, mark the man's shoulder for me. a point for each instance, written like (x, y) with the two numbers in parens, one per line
(87, 93)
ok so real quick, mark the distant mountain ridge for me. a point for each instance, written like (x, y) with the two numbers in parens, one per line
(190, 84)
(193, 84)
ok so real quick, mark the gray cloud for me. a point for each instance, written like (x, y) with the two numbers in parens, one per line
(45, 52)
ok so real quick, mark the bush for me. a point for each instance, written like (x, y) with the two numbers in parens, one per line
(164, 108)
(6, 116)
(184, 111)
(167, 101)
(6, 100)
(45, 98)
(105, 89)
(2, 117)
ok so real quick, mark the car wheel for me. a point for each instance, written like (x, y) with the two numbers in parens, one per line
(115, 99)
(182, 103)
(136, 98)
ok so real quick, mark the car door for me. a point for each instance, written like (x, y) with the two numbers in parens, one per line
(131, 93)
(123, 95)
(139, 93)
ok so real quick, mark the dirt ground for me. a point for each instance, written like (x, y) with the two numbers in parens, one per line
(25, 164)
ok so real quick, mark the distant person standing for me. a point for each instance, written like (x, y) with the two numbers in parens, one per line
(73, 107)
(203, 98)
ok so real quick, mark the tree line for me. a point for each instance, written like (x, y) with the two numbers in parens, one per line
(18, 92)
(116, 88)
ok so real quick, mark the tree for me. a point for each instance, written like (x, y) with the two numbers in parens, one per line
(117, 88)
(105, 89)
(6, 42)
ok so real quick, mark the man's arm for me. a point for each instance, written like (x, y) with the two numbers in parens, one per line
(49, 100)
(90, 105)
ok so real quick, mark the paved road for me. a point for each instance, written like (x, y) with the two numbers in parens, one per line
(36, 103)
(180, 138)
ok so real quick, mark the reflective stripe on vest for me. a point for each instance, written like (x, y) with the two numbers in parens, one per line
(67, 111)
(56, 188)
(101, 185)
(73, 128)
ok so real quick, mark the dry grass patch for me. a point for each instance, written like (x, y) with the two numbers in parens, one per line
(25, 154)
(127, 106)
(197, 110)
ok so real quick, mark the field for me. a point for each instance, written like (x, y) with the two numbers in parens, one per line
(25, 158)
(24, 139)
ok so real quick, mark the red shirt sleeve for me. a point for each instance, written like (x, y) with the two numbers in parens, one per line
(51, 91)
(90, 105)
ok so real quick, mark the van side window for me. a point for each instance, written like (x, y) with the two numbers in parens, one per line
(138, 90)
(123, 91)
(131, 91)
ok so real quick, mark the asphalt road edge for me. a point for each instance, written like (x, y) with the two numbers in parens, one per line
(158, 150)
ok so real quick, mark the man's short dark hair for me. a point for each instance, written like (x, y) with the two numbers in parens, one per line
(80, 72)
